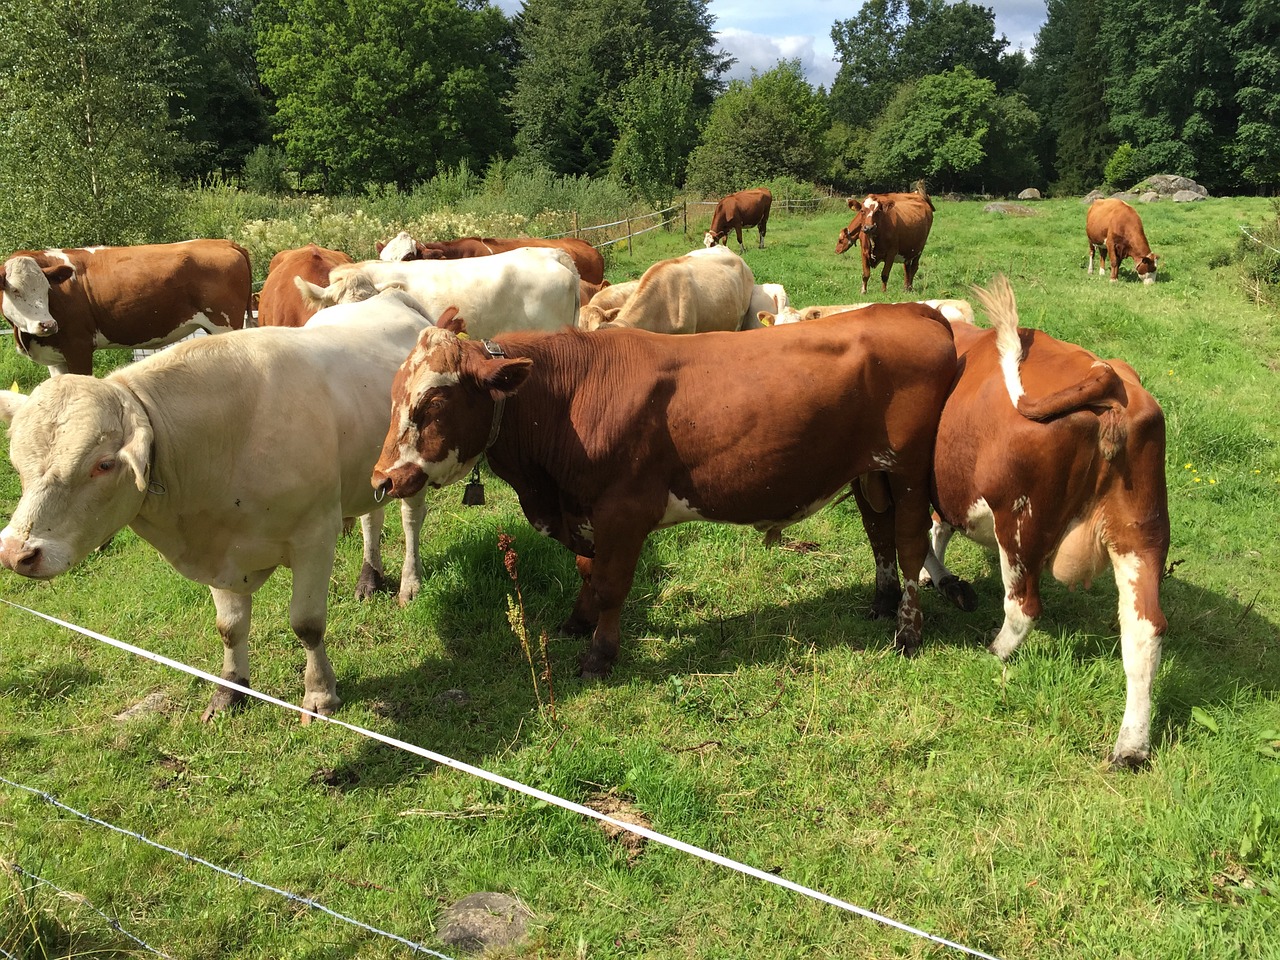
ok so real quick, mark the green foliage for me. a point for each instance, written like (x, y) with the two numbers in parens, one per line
(265, 171)
(576, 56)
(1259, 253)
(383, 91)
(954, 130)
(769, 126)
(86, 143)
(1121, 170)
(658, 128)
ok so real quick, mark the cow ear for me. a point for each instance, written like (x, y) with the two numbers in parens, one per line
(610, 315)
(378, 246)
(312, 295)
(451, 321)
(422, 252)
(504, 377)
(136, 451)
(766, 319)
(59, 274)
(853, 204)
(10, 403)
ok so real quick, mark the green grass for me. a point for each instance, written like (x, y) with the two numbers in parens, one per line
(754, 710)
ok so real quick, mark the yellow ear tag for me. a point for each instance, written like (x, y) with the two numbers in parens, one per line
(462, 336)
(770, 321)
(15, 388)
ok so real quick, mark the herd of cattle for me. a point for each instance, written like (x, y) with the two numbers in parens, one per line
(234, 455)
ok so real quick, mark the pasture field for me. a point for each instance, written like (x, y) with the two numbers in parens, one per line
(754, 710)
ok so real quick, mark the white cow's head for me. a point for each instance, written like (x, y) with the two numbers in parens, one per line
(345, 286)
(709, 239)
(400, 247)
(82, 448)
(26, 286)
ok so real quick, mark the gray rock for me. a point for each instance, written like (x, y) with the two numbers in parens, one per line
(1167, 185)
(483, 920)
(1093, 195)
(1149, 197)
(1187, 196)
(1012, 209)
(1031, 193)
(156, 702)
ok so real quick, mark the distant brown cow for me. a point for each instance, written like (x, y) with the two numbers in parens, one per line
(280, 304)
(748, 208)
(1115, 230)
(402, 246)
(608, 436)
(588, 290)
(892, 228)
(1055, 459)
(64, 304)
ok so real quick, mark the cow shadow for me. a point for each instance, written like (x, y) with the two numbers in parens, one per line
(474, 696)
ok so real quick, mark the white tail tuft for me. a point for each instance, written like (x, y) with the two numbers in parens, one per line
(1002, 311)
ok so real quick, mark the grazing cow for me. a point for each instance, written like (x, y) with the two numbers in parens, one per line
(748, 208)
(531, 288)
(230, 455)
(64, 304)
(1115, 230)
(608, 436)
(892, 228)
(280, 304)
(951, 309)
(402, 246)
(1055, 459)
(702, 291)
(588, 290)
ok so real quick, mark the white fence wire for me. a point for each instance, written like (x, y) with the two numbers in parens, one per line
(515, 786)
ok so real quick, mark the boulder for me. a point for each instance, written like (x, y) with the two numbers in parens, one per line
(1031, 193)
(1093, 195)
(1167, 184)
(1012, 209)
(483, 920)
(1149, 197)
(1187, 196)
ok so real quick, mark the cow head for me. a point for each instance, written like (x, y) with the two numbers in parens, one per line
(1146, 267)
(82, 448)
(709, 239)
(443, 403)
(345, 286)
(400, 247)
(26, 285)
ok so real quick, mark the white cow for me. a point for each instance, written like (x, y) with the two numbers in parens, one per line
(708, 289)
(532, 288)
(954, 310)
(231, 456)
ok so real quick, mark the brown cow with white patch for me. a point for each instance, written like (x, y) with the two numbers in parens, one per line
(280, 304)
(64, 304)
(1055, 459)
(402, 246)
(608, 436)
(747, 208)
(1115, 230)
(892, 228)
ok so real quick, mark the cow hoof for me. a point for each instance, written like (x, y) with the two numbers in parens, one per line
(576, 627)
(1128, 763)
(883, 606)
(224, 699)
(960, 593)
(325, 704)
(907, 647)
(593, 667)
(370, 582)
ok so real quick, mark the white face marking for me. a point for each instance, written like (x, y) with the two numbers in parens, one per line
(398, 247)
(26, 297)
(708, 240)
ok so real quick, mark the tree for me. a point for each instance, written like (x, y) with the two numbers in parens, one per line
(658, 129)
(384, 91)
(954, 130)
(87, 143)
(577, 53)
(771, 126)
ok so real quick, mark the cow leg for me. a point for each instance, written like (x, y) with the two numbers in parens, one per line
(307, 616)
(884, 274)
(413, 511)
(233, 614)
(909, 268)
(372, 578)
(1114, 256)
(586, 609)
(1141, 625)
(873, 499)
(761, 228)
(959, 592)
(1091, 249)
(1020, 573)
(911, 522)
(612, 571)
(866, 274)
(741, 246)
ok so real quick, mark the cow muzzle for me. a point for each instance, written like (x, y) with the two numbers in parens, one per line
(397, 482)
(23, 556)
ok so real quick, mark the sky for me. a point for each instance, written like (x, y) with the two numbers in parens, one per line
(759, 33)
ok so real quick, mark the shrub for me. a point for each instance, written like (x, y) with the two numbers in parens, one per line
(1120, 170)
(265, 171)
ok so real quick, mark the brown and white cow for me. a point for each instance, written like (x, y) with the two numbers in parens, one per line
(699, 292)
(891, 228)
(1115, 231)
(231, 456)
(747, 208)
(64, 304)
(402, 246)
(588, 290)
(608, 436)
(951, 309)
(529, 288)
(1055, 459)
(280, 304)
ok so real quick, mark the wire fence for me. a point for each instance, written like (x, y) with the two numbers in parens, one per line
(498, 779)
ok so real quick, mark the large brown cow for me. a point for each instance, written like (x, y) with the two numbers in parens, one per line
(892, 228)
(1055, 459)
(608, 436)
(280, 304)
(747, 208)
(402, 246)
(1115, 231)
(64, 304)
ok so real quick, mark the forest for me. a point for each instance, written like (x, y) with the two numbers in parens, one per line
(111, 105)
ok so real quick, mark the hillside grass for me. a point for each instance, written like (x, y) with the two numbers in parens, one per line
(754, 710)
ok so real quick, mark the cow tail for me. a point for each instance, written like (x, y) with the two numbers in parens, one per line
(1101, 391)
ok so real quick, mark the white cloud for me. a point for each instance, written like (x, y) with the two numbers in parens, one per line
(755, 51)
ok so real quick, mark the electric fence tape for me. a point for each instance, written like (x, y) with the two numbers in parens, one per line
(518, 787)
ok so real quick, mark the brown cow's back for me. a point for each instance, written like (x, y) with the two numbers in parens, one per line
(280, 304)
